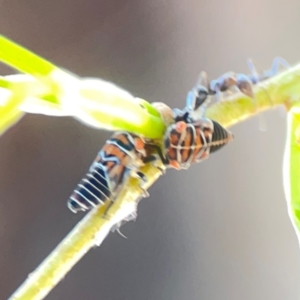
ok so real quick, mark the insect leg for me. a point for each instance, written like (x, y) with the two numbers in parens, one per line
(255, 78)
(155, 156)
(140, 175)
(197, 97)
(116, 227)
(277, 62)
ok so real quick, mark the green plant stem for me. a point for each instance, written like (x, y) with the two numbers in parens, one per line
(283, 89)
(68, 94)
(10, 113)
(90, 231)
(23, 60)
(291, 170)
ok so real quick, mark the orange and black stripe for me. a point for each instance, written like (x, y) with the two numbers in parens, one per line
(108, 173)
(189, 141)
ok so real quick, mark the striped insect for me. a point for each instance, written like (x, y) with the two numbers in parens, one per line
(188, 142)
(120, 158)
(192, 137)
(191, 141)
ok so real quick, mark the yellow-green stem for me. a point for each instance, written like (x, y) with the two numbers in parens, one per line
(283, 89)
(291, 171)
(97, 107)
(10, 113)
(91, 230)
(23, 60)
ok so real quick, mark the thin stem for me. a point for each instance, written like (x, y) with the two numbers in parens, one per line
(10, 113)
(283, 89)
(292, 168)
(101, 105)
(22, 59)
(90, 231)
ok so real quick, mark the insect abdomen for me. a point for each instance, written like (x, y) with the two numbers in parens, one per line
(189, 142)
(107, 174)
(220, 137)
(92, 190)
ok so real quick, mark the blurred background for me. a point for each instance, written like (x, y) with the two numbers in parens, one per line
(217, 231)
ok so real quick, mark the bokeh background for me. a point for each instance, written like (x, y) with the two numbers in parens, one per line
(217, 231)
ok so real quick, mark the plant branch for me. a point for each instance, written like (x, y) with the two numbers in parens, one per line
(23, 60)
(283, 89)
(90, 231)
(93, 101)
(291, 168)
